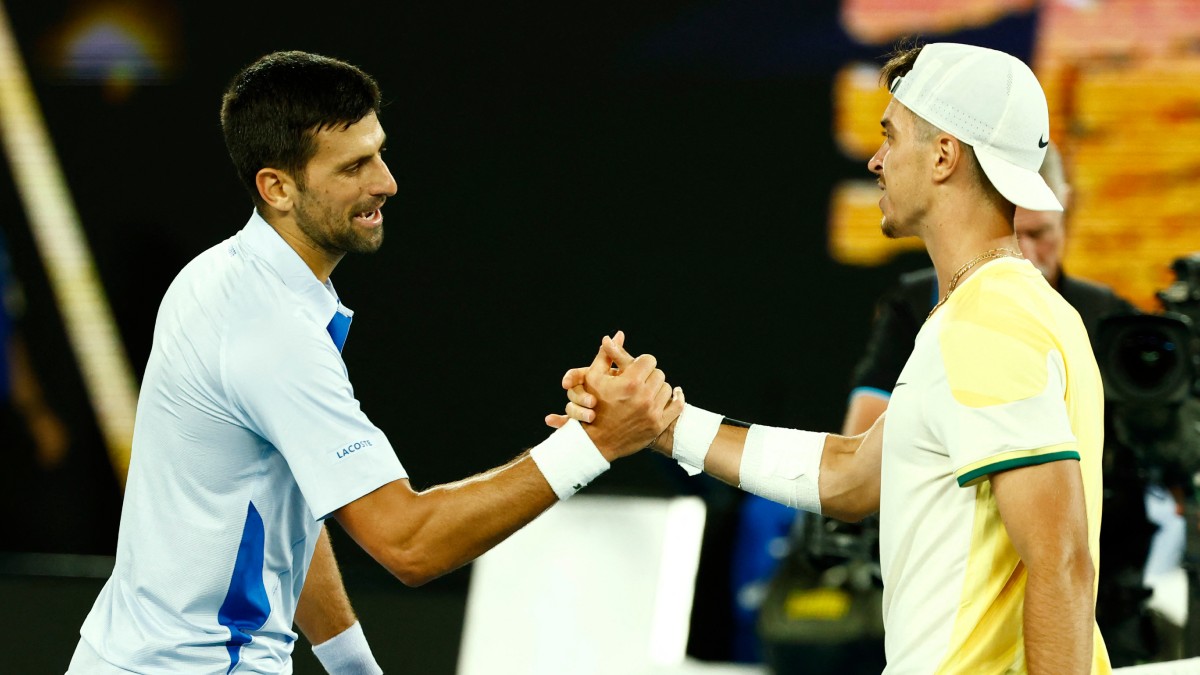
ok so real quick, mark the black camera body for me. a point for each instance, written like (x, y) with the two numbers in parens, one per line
(1150, 364)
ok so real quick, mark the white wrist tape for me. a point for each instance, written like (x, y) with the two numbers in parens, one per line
(347, 653)
(694, 434)
(783, 465)
(569, 459)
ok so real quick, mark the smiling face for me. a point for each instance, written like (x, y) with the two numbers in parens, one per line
(345, 186)
(899, 165)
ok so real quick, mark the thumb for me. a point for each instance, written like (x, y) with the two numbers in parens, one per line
(600, 365)
(615, 352)
(574, 377)
(675, 407)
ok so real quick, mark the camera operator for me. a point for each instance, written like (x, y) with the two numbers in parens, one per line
(1150, 364)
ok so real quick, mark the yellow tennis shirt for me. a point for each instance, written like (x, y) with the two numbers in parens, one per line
(1002, 376)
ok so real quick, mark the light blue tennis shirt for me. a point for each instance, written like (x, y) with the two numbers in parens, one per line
(247, 436)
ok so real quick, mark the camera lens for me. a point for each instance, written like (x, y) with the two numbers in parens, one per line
(1147, 358)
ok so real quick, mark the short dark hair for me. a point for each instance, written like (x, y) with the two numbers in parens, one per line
(273, 108)
(900, 60)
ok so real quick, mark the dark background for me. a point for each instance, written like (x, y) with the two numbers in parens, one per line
(564, 171)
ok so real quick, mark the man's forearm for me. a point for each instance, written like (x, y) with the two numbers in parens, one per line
(323, 610)
(724, 457)
(419, 536)
(1059, 618)
(848, 472)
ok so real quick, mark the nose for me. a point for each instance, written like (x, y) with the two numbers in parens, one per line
(387, 184)
(875, 164)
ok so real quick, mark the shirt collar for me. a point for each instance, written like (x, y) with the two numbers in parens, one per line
(264, 242)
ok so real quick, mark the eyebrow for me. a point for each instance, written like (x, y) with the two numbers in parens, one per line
(362, 158)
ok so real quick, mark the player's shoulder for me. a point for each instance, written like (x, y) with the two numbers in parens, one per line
(1008, 297)
(999, 336)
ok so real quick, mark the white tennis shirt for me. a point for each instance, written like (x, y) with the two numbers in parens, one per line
(247, 436)
(1001, 377)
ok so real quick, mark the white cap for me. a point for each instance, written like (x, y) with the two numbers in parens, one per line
(991, 101)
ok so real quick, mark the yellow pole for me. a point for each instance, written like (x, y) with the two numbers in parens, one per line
(58, 235)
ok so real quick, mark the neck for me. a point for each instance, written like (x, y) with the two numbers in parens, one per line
(319, 260)
(959, 237)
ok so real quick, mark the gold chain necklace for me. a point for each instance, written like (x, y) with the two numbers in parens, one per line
(986, 255)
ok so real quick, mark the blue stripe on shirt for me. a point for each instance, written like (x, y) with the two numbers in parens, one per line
(339, 328)
(246, 606)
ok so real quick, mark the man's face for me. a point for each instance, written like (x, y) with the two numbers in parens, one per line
(898, 165)
(1042, 239)
(346, 184)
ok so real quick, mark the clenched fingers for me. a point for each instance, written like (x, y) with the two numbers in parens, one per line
(656, 380)
(615, 352)
(641, 368)
(662, 396)
(580, 413)
(580, 397)
(574, 377)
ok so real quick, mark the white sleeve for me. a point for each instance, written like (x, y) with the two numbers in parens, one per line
(288, 384)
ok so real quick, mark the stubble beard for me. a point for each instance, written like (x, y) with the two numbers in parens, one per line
(894, 228)
(335, 233)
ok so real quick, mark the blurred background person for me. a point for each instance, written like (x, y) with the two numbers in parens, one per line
(35, 440)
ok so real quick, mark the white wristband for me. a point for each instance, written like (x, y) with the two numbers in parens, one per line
(569, 459)
(694, 434)
(347, 653)
(783, 465)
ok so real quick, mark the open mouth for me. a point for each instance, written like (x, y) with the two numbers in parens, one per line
(370, 218)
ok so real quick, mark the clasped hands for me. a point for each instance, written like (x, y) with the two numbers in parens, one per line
(623, 402)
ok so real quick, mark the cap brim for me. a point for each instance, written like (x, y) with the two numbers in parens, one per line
(1019, 185)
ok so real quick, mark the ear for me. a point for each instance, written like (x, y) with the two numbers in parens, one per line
(276, 187)
(948, 157)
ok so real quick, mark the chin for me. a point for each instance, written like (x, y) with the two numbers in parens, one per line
(885, 226)
(363, 242)
(371, 245)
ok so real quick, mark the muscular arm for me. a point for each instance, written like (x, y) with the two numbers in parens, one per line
(1045, 515)
(419, 536)
(324, 608)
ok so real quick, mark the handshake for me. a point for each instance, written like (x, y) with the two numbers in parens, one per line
(624, 403)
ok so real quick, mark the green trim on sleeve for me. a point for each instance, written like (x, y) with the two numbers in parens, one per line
(970, 478)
